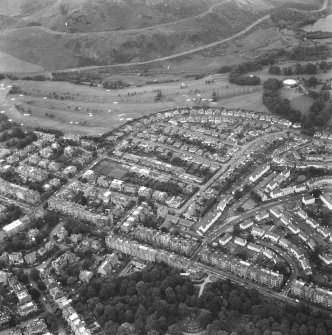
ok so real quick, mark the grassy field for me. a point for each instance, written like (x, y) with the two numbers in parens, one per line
(94, 110)
(10, 63)
(110, 169)
(298, 101)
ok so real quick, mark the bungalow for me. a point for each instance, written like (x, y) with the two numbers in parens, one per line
(225, 239)
(246, 224)
(255, 247)
(326, 258)
(324, 231)
(105, 268)
(259, 172)
(302, 214)
(312, 222)
(303, 236)
(300, 187)
(16, 258)
(293, 228)
(272, 236)
(85, 276)
(240, 241)
(276, 212)
(261, 216)
(70, 170)
(312, 244)
(256, 231)
(268, 253)
(308, 199)
(283, 242)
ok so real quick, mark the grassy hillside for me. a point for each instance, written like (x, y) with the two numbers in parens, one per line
(57, 34)
(55, 51)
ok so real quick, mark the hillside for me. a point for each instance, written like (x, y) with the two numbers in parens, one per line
(57, 34)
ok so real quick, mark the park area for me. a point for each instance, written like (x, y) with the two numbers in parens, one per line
(86, 110)
(110, 169)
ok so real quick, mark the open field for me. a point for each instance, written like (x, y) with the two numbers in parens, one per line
(110, 169)
(94, 110)
(89, 110)
(298, 101)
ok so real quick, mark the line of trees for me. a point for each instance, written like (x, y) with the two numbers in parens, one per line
(298, 69)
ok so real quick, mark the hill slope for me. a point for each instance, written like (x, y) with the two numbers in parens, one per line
(57, 34)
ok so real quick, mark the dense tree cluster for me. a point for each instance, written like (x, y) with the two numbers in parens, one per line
(320, 110)
(242, 80)
(114, 84)
(287, 17)
(315, 35)
(274, 102)
(10, 214)
(158, 300)
(303, 52)
(19, 241)
(35, 78)
(297, 69)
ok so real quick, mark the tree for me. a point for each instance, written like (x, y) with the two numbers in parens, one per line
(170, 295)
(214, 96)
(272, 84)
(41, 286)
(324, 65)
(174, 330)
(159, 95)
(275, 69)
(299, 69)
(35, 294)
(287, 71)
(310, 68)
(34, 274)
(312, 81)
(126, 329)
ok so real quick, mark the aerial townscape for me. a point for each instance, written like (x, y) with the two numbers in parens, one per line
(186, 190)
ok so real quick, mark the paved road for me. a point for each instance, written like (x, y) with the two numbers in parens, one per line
(291, 262)
(224, 168)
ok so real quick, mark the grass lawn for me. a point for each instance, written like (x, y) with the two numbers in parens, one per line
(93, 110)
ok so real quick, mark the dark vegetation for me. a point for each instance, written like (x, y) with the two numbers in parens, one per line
(320, 110)
(114, 84)
(293, 19)
(158, 300)
(299, 69)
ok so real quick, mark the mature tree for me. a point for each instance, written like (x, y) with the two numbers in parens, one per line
(34, 274)
(310, 68)
(312, 81)
(174, 330)
(35, 294)
(274, 69)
